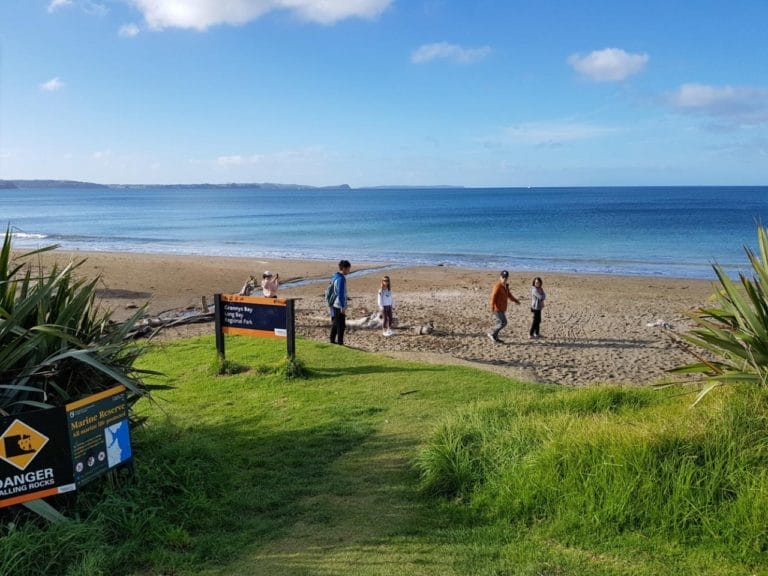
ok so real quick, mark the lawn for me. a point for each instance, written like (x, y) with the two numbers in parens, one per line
(372, 466)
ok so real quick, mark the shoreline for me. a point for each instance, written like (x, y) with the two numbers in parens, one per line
(591, 269)
(597, 328)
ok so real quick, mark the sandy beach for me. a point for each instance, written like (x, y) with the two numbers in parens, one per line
(596, 329)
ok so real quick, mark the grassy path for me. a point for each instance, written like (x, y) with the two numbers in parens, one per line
(326, 464)
(252, 474)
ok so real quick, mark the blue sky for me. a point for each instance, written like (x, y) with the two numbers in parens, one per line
(379, 92)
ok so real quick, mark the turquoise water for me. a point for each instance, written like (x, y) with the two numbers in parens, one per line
(678, 231)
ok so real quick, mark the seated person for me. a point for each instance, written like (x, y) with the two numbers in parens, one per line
(269, 284)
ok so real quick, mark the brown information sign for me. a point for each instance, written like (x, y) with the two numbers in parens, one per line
(254, 316)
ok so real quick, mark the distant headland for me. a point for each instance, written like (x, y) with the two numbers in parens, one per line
(22, 184)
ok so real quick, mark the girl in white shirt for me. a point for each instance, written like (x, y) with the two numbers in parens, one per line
(386, 303)
(537, 303)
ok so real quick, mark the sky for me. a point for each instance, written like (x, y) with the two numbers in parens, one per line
(486, 93)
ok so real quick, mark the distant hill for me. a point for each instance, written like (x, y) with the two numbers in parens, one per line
(48, 184)
(76, 184)
(13, 184)
(258, 185)
(404, 187)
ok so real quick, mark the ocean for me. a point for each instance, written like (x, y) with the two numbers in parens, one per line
(649, 231)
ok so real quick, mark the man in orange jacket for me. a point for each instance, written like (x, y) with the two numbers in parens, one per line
(499, 298)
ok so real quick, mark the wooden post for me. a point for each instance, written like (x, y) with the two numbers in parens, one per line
(218, 315)
(290, 328)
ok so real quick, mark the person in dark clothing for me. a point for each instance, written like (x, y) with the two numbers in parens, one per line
(339, 306)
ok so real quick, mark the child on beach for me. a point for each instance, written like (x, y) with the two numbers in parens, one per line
(338, 305)
(269, 284)
(386, 303)
(537, 303)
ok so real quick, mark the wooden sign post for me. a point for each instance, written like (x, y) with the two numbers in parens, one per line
(254, 316)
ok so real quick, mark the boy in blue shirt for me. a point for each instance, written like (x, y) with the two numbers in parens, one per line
(339, 306)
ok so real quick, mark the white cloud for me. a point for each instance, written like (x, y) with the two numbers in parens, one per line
(609, 65)
(429, 52)
(237, 160)
(741, 105)
(202, 14)
(284, 160)
(553, 133)
(58, 4)
(94, 8)
(328, 11)
(128, 30)
(87, 6)
(52, 85)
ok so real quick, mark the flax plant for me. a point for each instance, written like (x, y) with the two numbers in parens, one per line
(733, 334)
(56, 345)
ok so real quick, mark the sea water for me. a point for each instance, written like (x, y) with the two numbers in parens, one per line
(674, 231)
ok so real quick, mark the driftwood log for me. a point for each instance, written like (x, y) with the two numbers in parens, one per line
(248, 286)
(150, 327)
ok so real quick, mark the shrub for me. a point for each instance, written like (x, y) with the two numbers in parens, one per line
(56, 345)
(734, 333)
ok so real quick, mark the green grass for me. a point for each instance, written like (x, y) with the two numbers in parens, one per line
(356, 464)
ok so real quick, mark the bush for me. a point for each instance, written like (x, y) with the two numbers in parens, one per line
(56, 345)
(733, 334)
(292, 369)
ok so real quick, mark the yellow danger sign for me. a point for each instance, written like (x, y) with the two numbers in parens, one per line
(20, 443)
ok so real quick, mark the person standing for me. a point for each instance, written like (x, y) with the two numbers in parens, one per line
(499, 297)
(269, 284)
(339, 305)
(386, 303)
(537, 303)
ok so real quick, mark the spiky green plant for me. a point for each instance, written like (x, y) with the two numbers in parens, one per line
(56, 344)
(733, 334)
